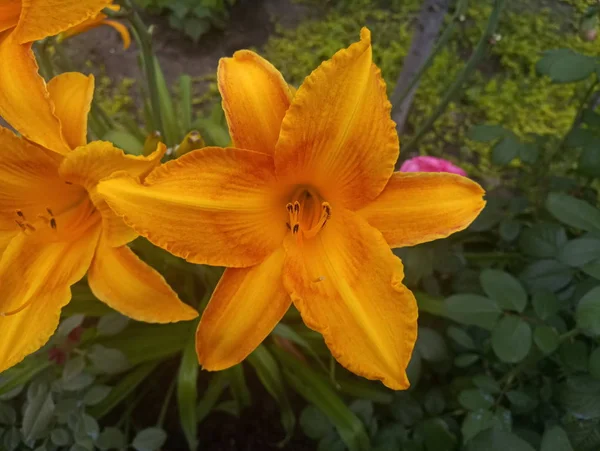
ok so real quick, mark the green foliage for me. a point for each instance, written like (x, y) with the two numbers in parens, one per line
(192, 17)
(506, 90)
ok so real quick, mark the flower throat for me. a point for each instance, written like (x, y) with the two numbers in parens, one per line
(307, 213)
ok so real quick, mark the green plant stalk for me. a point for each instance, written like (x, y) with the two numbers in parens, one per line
(144, 40)
(399, 97)
(163, 410)
(462, 77)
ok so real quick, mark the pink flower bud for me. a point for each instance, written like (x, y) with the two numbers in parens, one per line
(430, 164)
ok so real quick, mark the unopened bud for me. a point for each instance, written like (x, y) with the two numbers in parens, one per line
(151, 142)
(192, 141)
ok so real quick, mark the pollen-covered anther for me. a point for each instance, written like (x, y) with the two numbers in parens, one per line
(25, 225)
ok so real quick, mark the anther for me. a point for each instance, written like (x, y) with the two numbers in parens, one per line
(297, 207)
(288, 226)
(49, 211)
(20, 214)
(53, 223)
(296, 228)
(290, 208)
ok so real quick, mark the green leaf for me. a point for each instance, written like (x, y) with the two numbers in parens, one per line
(580, 397)
(185, 103)
(486, 133)
(239, 388)
(498, 440)
(8, 415)
(546, 274)
(461, 337)
(464, 360)
(187, 393)
(150, 439)
(472, 309)
(475, 399)
(475, 422)
(587, 313)
(509, 230)
(96, 395)
(589, 161)
(594, 363)
(167, 111)
(69, 324)
(505, 151)
(431, 345)
(486, 383)
(580, 251)
(270, 376)
(574, 354)
(314, 423)
(573, 212)
(109, 361)
(555, 439)
(60, 437)
(111, 438)
(545, 304)
(434, 401)
(566, 66)
(211, 395)
(437, 435)
(511, 339)
(124, 387)
(503, 288)
(546, 339)
(542, 240)
(318, 392)
(38, 415)
(73, 368)
(112, 324)
(124, 140)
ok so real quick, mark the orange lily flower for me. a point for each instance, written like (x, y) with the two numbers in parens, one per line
(54, 228)
(304, 209)
(21, 23)
(97, 21)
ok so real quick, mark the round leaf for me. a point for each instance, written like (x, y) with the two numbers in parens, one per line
(546, 339)
(555, 439)
(150, 439)
(573, 212)
(580, 252)
(566, 66)
(545, 304)
(472, 309)
(504, 289)
(587, 314)
(511, 339)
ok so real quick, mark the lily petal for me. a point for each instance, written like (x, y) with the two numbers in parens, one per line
(120, 279)
(30, 183)
(10, 10)
(42, 18)
(213, 206)
(338, 135)
(255, 99)
(245, 307)
(72, 94)
(347, 285)
(24, 100)
(418, 207)
(94, 22)
(89, 164)
(36, 276)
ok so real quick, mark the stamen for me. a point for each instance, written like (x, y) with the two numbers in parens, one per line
(20, 214)
(53, 223)
(20, 309)
(296, 228)
(325, 215)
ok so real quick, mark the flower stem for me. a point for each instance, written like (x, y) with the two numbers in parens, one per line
(455, 87)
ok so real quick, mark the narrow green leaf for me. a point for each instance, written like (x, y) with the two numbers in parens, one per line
(124, 140)
(269, 374)
(239, 388)
(22, 374)
(167, 111)
(187, 392)
(318, 392)
(126, 385)
(209, 399)
(185, 92)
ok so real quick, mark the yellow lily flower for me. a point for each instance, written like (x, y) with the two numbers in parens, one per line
(304, 209)
(97, 21)
(21, 23)
(54, 228)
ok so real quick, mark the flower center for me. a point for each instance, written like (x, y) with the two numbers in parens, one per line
(308, 213)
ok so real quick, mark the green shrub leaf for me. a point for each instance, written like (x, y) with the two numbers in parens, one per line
(511, 339)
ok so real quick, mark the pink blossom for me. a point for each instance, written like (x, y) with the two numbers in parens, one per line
(430, 164)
